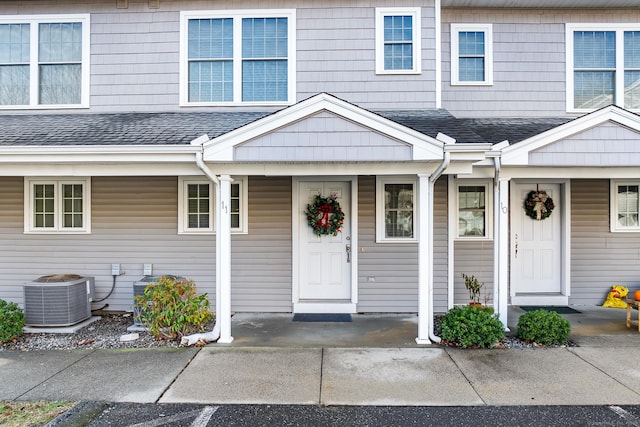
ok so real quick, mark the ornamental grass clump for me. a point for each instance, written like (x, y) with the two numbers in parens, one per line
(172, 309)
(11, 321)
(471, 326)
(544, 327)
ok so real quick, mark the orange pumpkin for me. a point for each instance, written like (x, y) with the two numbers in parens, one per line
(636, 295)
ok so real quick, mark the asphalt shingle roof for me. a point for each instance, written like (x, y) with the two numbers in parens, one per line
(171, 128)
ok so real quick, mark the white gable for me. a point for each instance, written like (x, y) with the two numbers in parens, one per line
(323, 128)
(607, 137)
(608, 144)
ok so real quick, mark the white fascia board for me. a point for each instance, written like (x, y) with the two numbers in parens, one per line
(99, 154)
(93, 169)
(518, 154)
(555, 173)
(325, 169)
(220, 149)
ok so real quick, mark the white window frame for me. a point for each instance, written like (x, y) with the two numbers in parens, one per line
(414, 12)
(613, 205)
(381, 182)
(487, 29)
(619, 29)
(58, 228)
(34, 77)
(183, 222)
(488, 207)
(237, 16)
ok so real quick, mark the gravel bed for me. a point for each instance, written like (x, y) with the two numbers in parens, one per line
(103, 333)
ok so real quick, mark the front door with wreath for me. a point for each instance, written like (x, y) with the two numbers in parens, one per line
(536, 239)
(324, 266)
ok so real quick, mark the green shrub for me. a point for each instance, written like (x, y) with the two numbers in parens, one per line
(471, 326)
(11, 321)
(172, 308)
(543, 327)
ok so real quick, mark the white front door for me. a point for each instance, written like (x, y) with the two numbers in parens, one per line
(536, 258)
(324, 262)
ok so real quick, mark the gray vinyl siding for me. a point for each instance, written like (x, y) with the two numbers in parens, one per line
(599, 258)
(323, 137)
(473, 258)
(134, 221)
(394, 266)
(261, 260)
(135, 52)
(529, 76)
(609, 144)
(440, 246)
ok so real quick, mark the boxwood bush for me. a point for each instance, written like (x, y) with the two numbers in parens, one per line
(471, 326)
(11, 321)
(544, 327)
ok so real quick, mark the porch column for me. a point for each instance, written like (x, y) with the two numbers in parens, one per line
(501, 250)
(425, 260)
(223, 257)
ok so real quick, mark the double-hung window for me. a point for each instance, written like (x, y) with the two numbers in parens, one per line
(196, 206)
(625, 206)
(57, 205)
(471, 54)
(44, 61)
(238, 57)
(398, 40)
(603, 66)
(396, 209)
(473, 209)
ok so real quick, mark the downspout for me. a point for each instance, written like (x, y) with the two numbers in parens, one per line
(432, 180)
(214, 334)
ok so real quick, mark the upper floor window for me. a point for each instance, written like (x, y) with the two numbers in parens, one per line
(625, 206)
(57, 205)
(237, 57)
(196, 206)
(396, 206)
(44, 61)
(471, 54)
(398, 40)
(603, 66)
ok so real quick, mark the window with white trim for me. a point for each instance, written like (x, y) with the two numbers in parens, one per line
(471, 54)
(44, 61)
(625, 205)
(196, 206)
(238, 57)
(396, 209)
(398, 40)
(57, 205)
(603, 66)
(473, 207)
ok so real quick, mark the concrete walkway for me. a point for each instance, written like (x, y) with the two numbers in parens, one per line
(601, 370)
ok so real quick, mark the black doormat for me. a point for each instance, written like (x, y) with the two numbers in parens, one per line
(557, 309)
(321, 317)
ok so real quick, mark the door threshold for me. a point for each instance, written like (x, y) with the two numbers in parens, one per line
(539, 299)
(324, 307)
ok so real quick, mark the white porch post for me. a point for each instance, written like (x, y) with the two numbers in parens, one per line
(223, 257)
(502, 251)
(425, 260)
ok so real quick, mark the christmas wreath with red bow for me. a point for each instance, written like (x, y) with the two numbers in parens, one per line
(325, 215)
